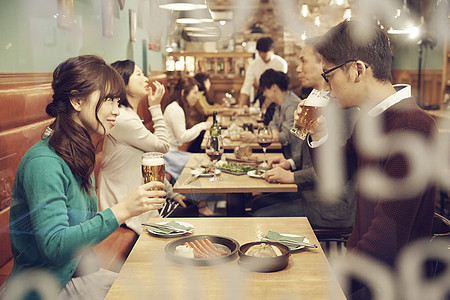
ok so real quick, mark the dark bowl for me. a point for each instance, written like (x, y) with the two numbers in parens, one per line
(223, 243)
(264, 264)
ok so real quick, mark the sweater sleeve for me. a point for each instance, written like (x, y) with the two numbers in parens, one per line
(132, 131)
(63, 226)
(176, 120)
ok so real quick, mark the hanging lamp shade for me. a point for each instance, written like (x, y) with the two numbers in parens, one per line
(182, 4)
(194, 16)
(206, 32)
(341, 3)
(403, 22)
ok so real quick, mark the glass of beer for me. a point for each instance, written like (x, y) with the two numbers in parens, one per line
(314, 105)
(153, 168)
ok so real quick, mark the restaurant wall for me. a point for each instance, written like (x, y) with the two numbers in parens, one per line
(406, 55)
(32, 41)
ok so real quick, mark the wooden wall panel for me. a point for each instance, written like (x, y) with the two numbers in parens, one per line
(430, 87)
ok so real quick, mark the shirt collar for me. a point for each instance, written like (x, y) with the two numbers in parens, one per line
(403, 91)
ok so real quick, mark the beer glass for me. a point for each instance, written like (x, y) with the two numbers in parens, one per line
(312, 109)
(153, 168)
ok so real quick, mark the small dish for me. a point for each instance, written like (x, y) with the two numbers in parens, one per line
(264, 264)
(201, 172)
(254, 175)
(172, 234)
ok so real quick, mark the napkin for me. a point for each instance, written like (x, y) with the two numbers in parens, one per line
(276, 236)
(163, 230)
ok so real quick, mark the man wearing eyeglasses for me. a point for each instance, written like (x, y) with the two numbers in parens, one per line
(336, 212)
(396, 186)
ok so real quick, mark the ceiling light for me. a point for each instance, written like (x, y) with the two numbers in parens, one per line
(201, 32)
(194, 16)
(305, 10)
(182, 4)
(317, 21)
(221, 15)
(402, 23)
(343, 3)
(303, 37)
(348, 14)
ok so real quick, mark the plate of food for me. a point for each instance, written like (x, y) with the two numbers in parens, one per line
(202, 250)
(205, 172)
(256, 173)
(170, 229)
(235, 169)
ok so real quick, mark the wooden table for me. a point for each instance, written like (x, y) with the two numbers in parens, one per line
(236, 187)
(148, 274)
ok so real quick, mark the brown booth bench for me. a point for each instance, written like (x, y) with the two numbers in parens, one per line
(23, 98)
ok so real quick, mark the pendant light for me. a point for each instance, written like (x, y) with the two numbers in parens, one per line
(182, 4)
(194, 16)
(403, 22)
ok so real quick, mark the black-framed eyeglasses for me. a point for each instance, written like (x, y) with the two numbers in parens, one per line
(324, 74)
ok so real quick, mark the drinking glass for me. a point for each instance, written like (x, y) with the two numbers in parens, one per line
(214, 149)
(312, 109)
(153, 167)
(264, 138)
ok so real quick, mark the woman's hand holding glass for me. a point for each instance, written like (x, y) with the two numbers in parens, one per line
(155, 98)
(149, 196)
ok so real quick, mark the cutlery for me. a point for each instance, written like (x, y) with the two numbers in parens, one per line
(163, 226)
(192, 178)
(310, 245)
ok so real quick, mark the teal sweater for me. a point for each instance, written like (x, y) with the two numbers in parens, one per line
(53, 221)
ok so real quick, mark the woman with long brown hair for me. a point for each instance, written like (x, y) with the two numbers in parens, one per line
(181, 102)
(54, 223)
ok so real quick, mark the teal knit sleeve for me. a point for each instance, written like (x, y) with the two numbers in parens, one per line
(63, 217)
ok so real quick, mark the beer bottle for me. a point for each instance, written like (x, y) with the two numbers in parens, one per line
(215, 129)
(214, 132)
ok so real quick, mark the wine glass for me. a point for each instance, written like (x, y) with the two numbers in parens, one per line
(264, 138)
(214, 149)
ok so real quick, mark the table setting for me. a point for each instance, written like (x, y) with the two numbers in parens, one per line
(241, 249)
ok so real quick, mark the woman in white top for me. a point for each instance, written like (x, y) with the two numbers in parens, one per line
(122, 150)
(182, 100)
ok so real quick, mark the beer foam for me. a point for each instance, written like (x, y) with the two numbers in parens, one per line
(317, 98)
(153, 161)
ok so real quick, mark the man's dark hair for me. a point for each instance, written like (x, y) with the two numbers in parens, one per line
(271, 77)
(356, 40)
(201, 78)
(264, 44)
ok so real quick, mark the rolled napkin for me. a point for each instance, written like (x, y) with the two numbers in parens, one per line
(165, 230)
(279, 237)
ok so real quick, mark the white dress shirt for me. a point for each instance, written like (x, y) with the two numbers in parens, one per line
(257, 67)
